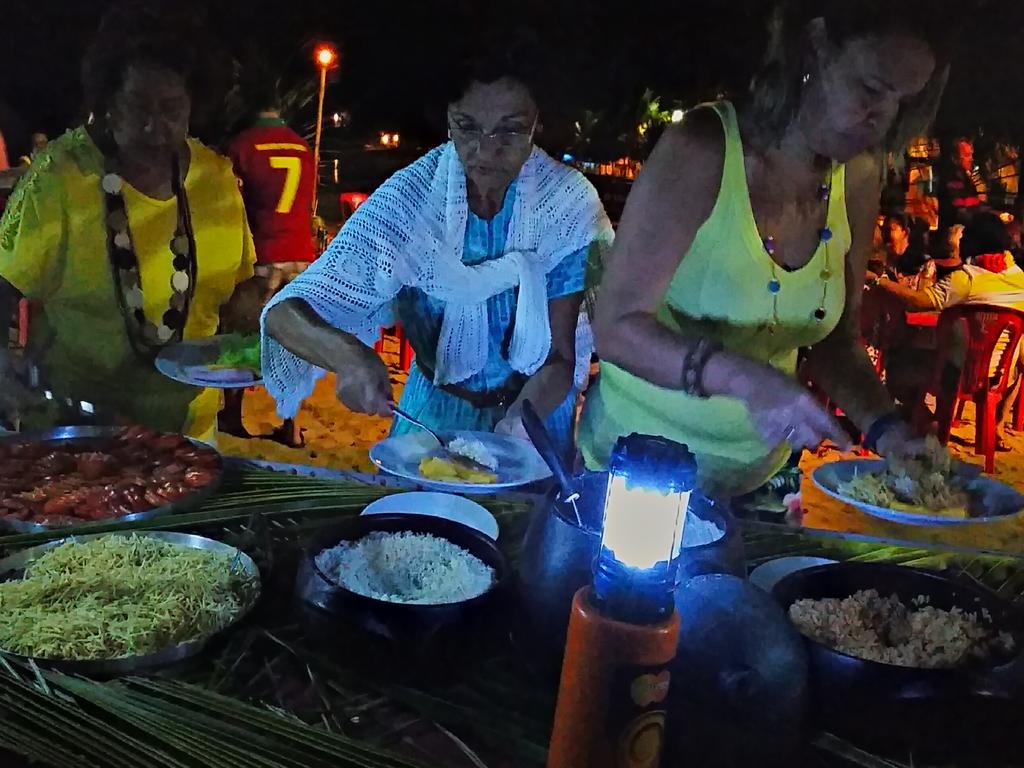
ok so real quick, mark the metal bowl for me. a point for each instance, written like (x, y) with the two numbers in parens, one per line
(85, 435)
(13, 567)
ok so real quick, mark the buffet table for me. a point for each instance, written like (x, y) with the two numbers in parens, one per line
(289, 689)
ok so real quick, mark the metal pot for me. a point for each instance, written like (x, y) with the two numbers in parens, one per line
(559, 551)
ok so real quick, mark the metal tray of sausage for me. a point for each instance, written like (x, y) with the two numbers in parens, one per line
(99, 435)
(13, 567)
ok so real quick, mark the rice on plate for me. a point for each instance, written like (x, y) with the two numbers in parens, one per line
(408, 568)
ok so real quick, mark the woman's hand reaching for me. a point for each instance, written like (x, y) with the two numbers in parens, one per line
(512, 424)
(784, 411)
(364, 385)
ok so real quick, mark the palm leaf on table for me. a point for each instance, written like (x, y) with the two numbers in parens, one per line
(499, 707)
(151, 724)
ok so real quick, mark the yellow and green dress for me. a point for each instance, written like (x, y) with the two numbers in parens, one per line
(723, 290)
(53, 249)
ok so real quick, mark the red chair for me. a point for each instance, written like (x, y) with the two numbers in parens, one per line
(983, 326)
(405, 353)
(350, 202)
(24, 318)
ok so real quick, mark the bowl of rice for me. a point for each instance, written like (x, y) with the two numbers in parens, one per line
(391, 569)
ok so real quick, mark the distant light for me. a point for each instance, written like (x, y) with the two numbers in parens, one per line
(677, 115)
(325, 56)
(385, 139)
(336, 119)
(567, 158)
(395, 139)
(1005, 217)
(352, 199)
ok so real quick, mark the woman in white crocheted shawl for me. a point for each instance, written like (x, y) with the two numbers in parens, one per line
(479, 249)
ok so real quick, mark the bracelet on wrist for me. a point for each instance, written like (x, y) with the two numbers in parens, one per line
(694, 362)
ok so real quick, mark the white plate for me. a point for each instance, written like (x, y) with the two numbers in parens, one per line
(518, 461)
(189, 363)
(444, 505)
(989, 499)
(767, 575)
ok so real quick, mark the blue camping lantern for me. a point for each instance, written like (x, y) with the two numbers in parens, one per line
(649, 489)
(623, 631)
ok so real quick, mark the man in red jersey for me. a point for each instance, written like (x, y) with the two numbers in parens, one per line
(275, 167)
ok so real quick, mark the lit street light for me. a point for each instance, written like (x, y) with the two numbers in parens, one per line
(326, 58)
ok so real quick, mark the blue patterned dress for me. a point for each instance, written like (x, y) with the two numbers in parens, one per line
(421, 318)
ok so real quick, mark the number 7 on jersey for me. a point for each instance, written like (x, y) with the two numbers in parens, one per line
(292, 166)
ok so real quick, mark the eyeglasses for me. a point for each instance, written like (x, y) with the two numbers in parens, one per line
(504, 139)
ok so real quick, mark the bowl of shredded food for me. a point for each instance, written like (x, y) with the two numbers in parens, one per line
(899, 622)
(113, 604)
(392, 570)
(904, 658)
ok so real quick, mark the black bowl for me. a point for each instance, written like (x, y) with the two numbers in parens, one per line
(398, 621)
(902, 707)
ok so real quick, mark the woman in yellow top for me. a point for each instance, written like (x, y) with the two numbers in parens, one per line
(751, 227)
(127, 233)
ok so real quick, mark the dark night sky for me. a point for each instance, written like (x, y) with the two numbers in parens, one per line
(603, 53)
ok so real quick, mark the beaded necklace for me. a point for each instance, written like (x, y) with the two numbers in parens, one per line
(146, 337)
(825, 235)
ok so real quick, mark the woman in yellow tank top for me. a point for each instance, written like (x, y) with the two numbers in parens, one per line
(746, 238)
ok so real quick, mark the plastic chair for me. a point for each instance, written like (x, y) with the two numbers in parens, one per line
(983, 326)
(405, 353)
(24, 318)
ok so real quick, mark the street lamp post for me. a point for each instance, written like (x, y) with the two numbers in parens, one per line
(326, 57)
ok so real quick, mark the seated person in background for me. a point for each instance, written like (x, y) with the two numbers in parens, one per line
(905, 246)
(991, 278)
(946, 259)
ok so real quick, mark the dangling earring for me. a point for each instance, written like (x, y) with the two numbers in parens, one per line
(806, 78)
